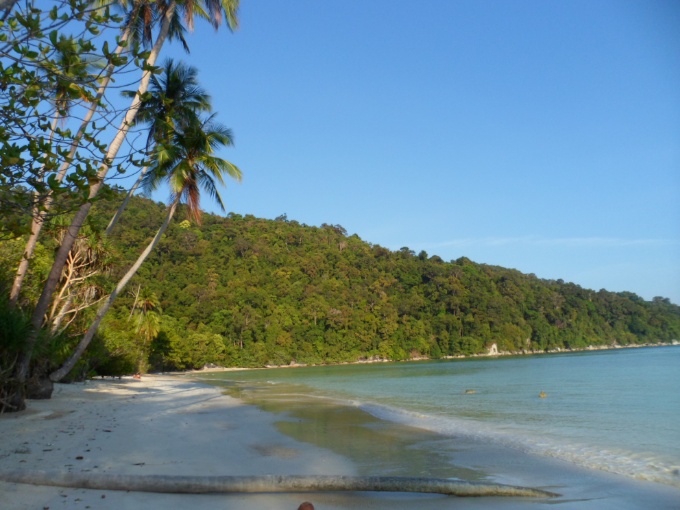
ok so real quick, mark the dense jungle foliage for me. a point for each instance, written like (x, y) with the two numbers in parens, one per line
(244, 291)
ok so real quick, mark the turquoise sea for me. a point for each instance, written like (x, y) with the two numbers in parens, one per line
(615, 410)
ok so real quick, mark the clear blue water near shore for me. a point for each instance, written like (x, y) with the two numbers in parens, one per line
(615, 410)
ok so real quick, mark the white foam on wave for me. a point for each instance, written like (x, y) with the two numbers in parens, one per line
(641, 466)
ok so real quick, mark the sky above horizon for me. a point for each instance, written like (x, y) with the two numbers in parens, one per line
(537, 135)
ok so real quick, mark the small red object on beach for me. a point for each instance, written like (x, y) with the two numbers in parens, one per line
(306, 506)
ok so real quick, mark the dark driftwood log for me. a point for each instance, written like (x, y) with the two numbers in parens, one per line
(271, 483)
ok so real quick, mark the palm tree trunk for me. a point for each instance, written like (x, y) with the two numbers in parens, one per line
(60, 373)
(80, 216)
(29, 249)
(36, 225)
(170, 484)
(119, 212)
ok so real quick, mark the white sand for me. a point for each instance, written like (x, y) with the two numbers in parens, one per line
(169, 425)
(160, 425)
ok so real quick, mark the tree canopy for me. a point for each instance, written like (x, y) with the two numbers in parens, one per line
(58, 71)
(244, 291)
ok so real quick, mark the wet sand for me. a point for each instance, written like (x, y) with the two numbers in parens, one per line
(174, 426)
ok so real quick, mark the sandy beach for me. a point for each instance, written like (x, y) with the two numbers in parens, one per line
(171, 425)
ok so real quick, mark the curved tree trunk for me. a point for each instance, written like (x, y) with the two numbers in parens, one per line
(68, 365)
(29, 249)
(272, 483)
(81, 214)
(119, 212)
(36, 225)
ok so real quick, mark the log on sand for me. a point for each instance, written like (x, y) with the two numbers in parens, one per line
(264, 484)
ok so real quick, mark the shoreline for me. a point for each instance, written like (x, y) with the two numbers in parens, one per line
(172, 425)
(496, 354)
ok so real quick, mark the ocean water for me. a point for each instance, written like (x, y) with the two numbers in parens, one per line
(615, 410)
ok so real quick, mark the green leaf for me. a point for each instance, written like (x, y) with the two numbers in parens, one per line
(52, 182)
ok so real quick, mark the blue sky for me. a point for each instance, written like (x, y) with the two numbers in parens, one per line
(538, 135)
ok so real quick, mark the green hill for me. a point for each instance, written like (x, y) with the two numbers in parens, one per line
(249, 292)
(243, 291)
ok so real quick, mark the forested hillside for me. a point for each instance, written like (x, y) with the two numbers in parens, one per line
(245, 291)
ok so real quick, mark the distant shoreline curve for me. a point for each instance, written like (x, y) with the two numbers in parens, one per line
(489, 354)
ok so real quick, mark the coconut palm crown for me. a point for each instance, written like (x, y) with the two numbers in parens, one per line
(175, 99)
(188, 163)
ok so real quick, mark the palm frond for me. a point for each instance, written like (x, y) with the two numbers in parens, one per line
(208, 185)
(213, 11)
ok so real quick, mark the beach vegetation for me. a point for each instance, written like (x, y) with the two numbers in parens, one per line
(58, 63)
(14, 325)
(187, 161)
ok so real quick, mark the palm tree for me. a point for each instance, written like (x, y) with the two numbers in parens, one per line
(215, 11)
(147, 316)
(188, 163)
(176, 99)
